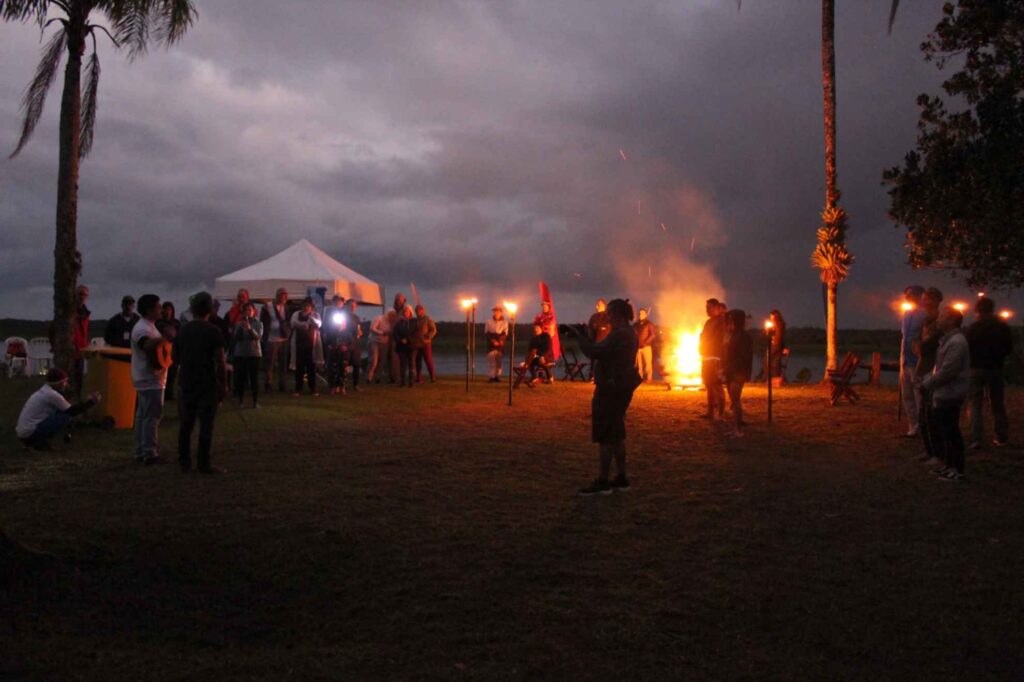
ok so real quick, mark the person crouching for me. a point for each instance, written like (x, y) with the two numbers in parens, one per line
(47, 412)
(737, 364)
(615, 380)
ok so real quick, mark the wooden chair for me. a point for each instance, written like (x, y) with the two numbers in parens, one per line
(574, 368)
(840, 379)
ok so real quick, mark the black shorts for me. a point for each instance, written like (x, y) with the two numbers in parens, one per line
(608, 415)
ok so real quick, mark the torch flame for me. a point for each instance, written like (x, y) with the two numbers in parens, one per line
(511, 308)
(1006, 314)
(959, 306)
(906, 306)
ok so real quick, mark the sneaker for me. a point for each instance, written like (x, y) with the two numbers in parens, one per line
(620, 482)
(999, 442)
(913, 433)
(598, 487)
(952, 475)
(974, 445)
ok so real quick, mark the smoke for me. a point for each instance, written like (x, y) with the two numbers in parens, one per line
(674, 288)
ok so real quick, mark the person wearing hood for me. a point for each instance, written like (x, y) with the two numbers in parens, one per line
(307, 352)
(948, 385)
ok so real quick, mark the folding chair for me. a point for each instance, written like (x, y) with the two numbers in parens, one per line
(16, 356)
(840, 380)
(40, 357)
(520, 372)
(574, 369)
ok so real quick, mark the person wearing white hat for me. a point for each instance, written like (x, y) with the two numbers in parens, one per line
(47, 412)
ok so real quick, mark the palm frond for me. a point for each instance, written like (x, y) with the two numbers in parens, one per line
(35, 94)
(130, 23)
(23, 10)
(892, 14)
(172, 18)
(92, 82)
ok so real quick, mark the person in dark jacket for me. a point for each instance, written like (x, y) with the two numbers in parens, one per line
(737, 364)
(925, 347)
(169, 325)
(203, 382)
(119, 328)
(646, 333)
(990, 342)
(402, 336)
(538, 356)
(615, 379)
(712, 347)
(247, 349)
(336, 345)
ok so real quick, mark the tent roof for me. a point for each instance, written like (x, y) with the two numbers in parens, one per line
(300, 265)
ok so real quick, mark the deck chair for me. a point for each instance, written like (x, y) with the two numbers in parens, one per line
(840, 380)
(40, 357)
(574, 369)
(16, 356)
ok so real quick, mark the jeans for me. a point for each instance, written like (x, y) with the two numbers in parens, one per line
(405, 364)
(993, 380)
(247, 371)
(424, 354)
(305, 368)
(335, 358)
(149, 408)
(378, 355)
(948, 442)
(911, 400)
(494, 362)
(190, 408)
(47, 429)
(276, 359)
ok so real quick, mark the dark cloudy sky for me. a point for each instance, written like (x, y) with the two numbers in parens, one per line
(474, 147)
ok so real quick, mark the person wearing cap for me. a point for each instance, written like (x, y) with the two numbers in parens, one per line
(307, 351)
(202, 381)
(646, 333)
(910, 330)
(276, 330)
(495, 332)
(423, 344)
(47, 412)
(119, 327)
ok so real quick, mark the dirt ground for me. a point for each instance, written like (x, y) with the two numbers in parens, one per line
(430, 533)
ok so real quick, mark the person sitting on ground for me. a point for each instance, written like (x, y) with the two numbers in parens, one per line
(538, 356)
(495, 332)
(646, 332)
(203, 382)
(276, 331)
(423, 344)
(991, 342)
(615, 380)
(119, 328)
(336, 340)
(711, 348)
(307, 352)
(737, 364)
(247, 353)
(948, 385)
(380, 339)
(47, 412)
(402, 336)
(169, 325)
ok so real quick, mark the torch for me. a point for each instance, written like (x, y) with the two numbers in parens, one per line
(511, 308)
(905, 308)
(469, 305)
(769, 331)
(960, 307)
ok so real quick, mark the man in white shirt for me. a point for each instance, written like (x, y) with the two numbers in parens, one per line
(149, 377)
(276, 330)
(47, 412)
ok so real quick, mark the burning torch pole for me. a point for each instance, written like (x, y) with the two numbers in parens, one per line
(905, 308)
(769, 330)
(467, 304)
(472, 348)
(511, 308)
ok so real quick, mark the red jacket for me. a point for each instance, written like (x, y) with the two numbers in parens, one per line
(80, 329)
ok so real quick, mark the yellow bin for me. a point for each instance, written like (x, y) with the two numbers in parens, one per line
(110, 373)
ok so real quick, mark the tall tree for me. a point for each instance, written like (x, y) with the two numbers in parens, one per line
(958, 193)
(133, 24)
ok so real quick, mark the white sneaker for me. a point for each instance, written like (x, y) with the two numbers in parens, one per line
(934, 462)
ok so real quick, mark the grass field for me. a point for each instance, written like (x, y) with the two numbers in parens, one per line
(428, 533)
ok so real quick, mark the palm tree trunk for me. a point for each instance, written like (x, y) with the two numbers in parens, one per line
(67, 259)
(828, 77)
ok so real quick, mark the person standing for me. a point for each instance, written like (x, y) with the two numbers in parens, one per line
(496, 332)
(646, 332)
(247, 353)
(168, 325)
(925, 347)
(203, 382)
(119, 328)
(599, 324)
(394, 361)
(712, 347)
(47, 412)
(990, 342)
(353, 337)
(910, 330)
(403, 336)
(380, 340)
(335, 345)
(777, 340)
(237, 310)
(276, 330)
(737, 364)
(307, 352)
(615, 380)
(149, 377)
(948, 385)
(80, 338)
(423, 344)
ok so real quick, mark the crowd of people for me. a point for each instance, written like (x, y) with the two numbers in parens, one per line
(943, 366)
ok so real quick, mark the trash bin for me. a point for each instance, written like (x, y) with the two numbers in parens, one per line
(110, 373)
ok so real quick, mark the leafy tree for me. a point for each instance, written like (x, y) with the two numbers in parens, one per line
(959, 192)
(132, 24)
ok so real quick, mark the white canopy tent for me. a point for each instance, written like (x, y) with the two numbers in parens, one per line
(299, 266)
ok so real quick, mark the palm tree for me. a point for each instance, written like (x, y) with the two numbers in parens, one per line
(132, 24)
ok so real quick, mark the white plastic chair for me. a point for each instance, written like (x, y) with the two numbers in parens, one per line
(40, 357)
(15, 365)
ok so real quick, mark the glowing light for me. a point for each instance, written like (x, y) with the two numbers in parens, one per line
(960, 307)
(338, 319)
(906, 306)
(684, 361)
(769, 325)
(511, 307)
(468, 303)
(981, 294)
(1006, 314)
